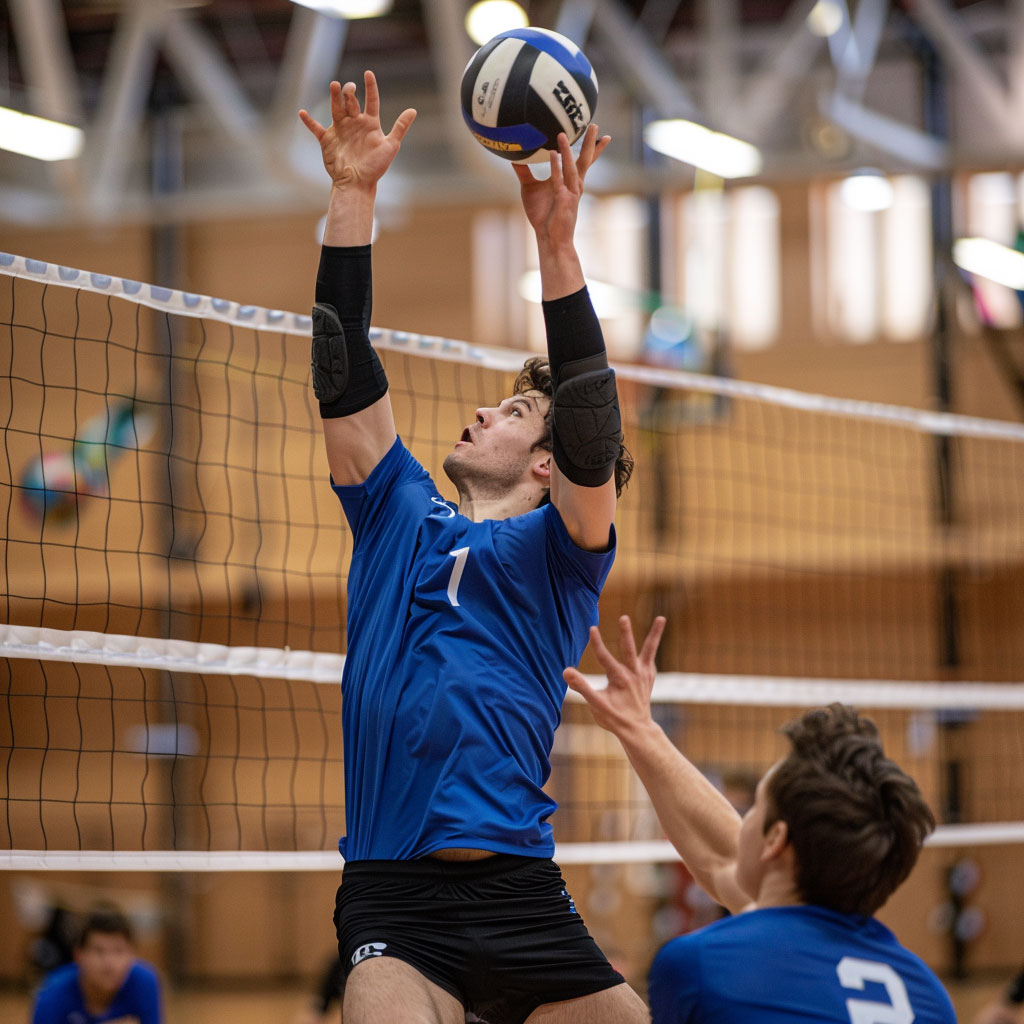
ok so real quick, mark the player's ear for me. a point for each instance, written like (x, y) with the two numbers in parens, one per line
(542, 464)
(776, 839)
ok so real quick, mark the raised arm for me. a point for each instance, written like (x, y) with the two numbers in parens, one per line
(348, 378)
(698, 820)
(586, 428)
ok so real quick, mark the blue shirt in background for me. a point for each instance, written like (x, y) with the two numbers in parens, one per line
(60, 1001)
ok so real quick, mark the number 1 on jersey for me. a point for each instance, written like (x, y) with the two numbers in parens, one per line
(460, 555)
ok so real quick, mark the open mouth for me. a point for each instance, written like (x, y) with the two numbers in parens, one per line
(465, 437)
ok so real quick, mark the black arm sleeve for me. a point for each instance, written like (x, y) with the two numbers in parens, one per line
(347, 374)
(344, 281)
(575, 338)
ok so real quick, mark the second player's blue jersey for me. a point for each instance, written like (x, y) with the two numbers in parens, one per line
(457, 636)
(784, 965)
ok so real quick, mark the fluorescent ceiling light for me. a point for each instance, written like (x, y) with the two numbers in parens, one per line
(713, 151)
(37, 137)
(484, 20)
(989, 259)
(867, 190)
(826, 18)
(609, 299)
(351, 9)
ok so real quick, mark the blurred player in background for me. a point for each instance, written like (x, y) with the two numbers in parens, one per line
(106, 982)
(834, 829)
(1009, 1009)
(459, 622)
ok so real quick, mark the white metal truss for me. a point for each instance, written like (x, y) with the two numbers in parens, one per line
(753, 80)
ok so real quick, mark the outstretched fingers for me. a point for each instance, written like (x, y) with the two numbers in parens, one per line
(402, 123)
(650, 647)
(312, 124)
(349, 103)
(523, 173)
(568, 173)
(593, 146)
(372, 101)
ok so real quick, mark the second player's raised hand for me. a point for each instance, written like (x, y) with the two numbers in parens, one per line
(625, 703)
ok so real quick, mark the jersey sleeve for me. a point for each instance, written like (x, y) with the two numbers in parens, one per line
(143, 994)
(572, 562)
(378, 498)
(674, 984)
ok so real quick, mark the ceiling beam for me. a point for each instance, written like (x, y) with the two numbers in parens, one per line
(204, 72)
(719, 23)
(45, 56)
(310, 61)
(885, 134)
(641, 63)
(974, 73)
(123, 96)
(782, 72)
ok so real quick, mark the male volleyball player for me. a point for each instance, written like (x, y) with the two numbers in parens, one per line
(834, 829)
(106, 982)
(459, 622)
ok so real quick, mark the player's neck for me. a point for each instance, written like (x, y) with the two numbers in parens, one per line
(778, 889)
(97, 1000)
(478, 506)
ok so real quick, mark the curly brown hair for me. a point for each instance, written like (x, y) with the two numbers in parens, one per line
(856, 820)
(536, 376)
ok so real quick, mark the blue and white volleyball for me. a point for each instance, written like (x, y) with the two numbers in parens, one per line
(522, 88)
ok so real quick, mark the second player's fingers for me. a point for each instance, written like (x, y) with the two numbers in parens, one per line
(627, 643)
(605, 658)
(652, 640)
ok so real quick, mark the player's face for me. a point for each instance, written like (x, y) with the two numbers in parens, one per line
(104, 962)
(749, 864)
(499, 444)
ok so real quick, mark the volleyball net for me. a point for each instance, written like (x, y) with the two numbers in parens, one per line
(172, 616)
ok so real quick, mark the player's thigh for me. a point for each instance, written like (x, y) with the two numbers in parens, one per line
(616, 1005)
(384, 988)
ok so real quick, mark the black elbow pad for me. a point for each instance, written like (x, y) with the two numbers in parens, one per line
(587, 427)
(347, 375)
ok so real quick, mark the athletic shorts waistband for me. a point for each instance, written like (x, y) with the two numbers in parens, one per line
(431, 867)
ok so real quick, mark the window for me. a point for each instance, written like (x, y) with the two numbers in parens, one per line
(874, 266)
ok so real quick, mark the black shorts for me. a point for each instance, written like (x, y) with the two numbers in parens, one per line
(502, 934)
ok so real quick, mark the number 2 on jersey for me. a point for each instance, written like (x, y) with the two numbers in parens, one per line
(854, 972)
(460, 555)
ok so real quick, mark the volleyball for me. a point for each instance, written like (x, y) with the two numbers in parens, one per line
(522, 88)
(50, 486)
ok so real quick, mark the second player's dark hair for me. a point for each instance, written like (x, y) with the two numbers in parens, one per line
(855, 819)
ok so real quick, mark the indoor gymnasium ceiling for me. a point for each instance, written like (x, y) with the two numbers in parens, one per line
(189, 107)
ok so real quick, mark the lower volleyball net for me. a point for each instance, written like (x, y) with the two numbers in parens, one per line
(174, 564)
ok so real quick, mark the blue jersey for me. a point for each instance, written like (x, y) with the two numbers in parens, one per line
(59, 1001)
(457, 636)
(786, 964)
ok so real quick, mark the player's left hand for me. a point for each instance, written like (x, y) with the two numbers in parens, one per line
(551, 204)
(624, 706)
